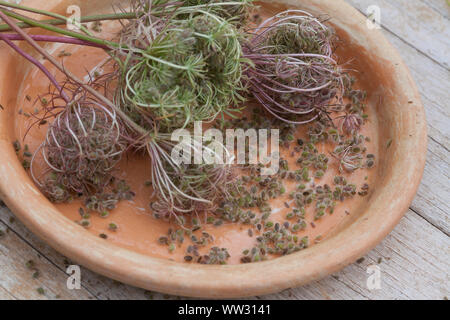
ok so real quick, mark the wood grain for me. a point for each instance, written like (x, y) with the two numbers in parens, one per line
(433, 81)
(440, 6)
(417, 23)
(414, 265)
(415, 248)
(93, 285)
(16, 278)
(432, 200)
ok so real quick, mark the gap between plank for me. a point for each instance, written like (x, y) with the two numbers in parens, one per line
(42, 254)
(409, 44)
(439, 143)
(437, 10)
(436, 227)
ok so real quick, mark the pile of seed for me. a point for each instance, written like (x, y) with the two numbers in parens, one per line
(249, 197)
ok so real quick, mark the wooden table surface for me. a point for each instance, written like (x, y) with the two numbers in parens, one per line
(413, 260)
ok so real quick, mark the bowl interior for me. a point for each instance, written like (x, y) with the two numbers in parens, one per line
(398, 138)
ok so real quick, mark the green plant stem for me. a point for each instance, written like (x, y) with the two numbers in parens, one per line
(58, 22)
(58, 65)
(61, 20)
(41, 12)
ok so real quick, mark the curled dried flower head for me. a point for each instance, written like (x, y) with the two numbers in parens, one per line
(293, 73)
(351, 123)
(186, 188)
(82, 146)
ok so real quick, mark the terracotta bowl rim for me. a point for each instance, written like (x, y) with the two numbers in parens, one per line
(229, 281)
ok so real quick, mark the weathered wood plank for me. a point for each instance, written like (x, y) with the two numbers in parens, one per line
(432, 200)
(416, 23)
(101, 287)
(414, 265)
(415, 256)
(440, 6)
(5, 295)
(17, 278)
(433, 82)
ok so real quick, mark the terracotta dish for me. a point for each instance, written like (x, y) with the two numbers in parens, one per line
(397, 125)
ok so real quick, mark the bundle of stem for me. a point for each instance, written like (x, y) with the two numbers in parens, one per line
(175, 70)
(179, 64)
(84, 142)
(179, 188)
(183, 188)
(179, 71)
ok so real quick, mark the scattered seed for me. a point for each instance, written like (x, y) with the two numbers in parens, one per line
(16, 145)
(112, 226)
(104, 214)
(64, 53)
(30, 264)
(389, 143)
(26, 164)
(44, 102)
(97, 26)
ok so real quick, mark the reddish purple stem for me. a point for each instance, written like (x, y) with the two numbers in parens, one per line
(36, 63)
(58, 39)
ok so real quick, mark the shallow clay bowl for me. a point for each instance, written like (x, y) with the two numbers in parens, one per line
(401, 143)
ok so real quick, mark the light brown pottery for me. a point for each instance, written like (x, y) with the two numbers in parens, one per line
(397, 115)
